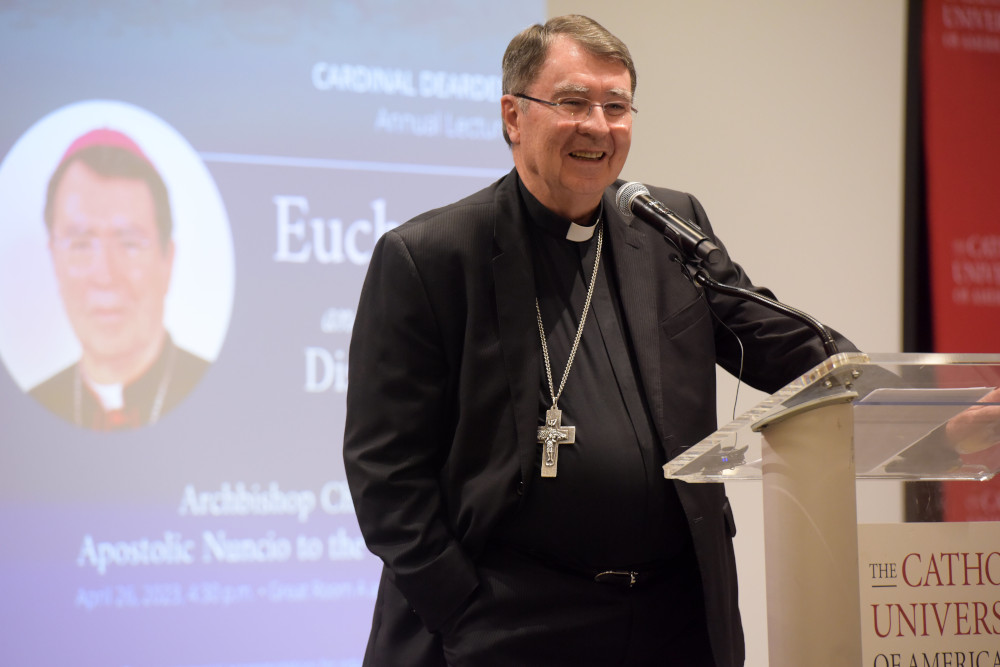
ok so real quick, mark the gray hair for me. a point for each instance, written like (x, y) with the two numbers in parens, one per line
(526, 53)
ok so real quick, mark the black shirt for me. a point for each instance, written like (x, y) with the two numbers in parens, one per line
(609, 505)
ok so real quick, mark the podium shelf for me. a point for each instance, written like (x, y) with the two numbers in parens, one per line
(916, 417)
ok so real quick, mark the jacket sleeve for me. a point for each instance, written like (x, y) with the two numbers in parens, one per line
(398, 431)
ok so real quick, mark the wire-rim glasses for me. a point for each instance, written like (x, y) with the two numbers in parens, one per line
(580, 108)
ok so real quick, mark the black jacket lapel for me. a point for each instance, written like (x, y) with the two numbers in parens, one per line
(514, 285)
(635, 274)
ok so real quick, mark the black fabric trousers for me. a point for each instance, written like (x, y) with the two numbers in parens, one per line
(530, 613)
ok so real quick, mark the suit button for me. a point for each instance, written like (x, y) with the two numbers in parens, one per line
(520, 488)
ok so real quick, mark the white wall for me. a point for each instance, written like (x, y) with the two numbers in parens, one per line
(785, 118)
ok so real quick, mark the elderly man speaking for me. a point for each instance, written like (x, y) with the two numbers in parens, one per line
(523, 363)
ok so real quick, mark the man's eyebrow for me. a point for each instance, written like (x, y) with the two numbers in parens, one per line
(622, 93)
(576, 88)
(75, 229)
(580, 89)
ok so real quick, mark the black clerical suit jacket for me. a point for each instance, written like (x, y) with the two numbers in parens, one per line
(443, 399)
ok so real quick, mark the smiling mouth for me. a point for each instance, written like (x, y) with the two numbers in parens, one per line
(587, 155)
(107, 314)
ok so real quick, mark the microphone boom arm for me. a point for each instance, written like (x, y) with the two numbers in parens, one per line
(829, 344)
(697, 248)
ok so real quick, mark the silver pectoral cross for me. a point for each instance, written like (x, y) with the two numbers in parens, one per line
(550, 437)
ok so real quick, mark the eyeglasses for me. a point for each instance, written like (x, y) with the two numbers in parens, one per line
(579, 108)
(81, 249)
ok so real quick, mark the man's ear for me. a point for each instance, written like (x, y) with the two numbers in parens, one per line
(510, 112)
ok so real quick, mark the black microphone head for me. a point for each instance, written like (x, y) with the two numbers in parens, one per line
(626, 194)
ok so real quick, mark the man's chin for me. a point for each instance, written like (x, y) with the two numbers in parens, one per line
(107, 324)
(591, 188)
(109, 351)
(110, 344)
(588, 181)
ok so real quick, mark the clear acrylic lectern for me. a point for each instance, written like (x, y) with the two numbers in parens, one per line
(882, 416)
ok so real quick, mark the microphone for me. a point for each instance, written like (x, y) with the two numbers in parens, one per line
(634, 199)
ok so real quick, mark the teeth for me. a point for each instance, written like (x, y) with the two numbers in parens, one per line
(588, 154)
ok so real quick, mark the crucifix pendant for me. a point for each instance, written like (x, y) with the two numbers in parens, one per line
(550, 437)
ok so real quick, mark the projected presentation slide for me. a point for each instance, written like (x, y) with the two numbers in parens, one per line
(190, 194)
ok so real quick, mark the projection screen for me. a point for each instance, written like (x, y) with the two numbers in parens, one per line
(209, 523)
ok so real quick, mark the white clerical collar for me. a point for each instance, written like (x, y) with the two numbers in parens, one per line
(579, 233)
(556, 224)
(111, 396)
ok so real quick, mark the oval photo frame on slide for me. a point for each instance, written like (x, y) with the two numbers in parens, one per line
(36, 339)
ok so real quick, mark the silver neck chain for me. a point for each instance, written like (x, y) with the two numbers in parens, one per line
(579, 330)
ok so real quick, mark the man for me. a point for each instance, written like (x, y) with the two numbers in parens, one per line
(109, 223)
(486, 329)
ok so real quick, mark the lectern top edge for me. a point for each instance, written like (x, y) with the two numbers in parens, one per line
(901, 404)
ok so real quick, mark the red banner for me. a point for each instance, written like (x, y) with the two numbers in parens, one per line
(961, 78)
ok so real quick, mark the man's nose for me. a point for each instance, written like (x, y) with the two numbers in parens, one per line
(105, 264)
(595, 121)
